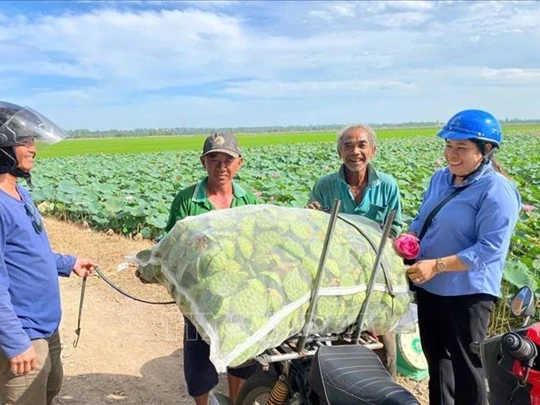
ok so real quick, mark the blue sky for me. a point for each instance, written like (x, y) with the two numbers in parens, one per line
(141, 64)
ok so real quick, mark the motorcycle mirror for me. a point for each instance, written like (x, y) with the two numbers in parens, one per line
(522, 303)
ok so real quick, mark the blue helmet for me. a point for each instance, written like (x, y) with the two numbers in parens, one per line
(473, 124)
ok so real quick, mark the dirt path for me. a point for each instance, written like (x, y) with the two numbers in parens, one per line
(129, 353)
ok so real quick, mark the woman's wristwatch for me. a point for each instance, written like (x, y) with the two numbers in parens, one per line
(440, 266)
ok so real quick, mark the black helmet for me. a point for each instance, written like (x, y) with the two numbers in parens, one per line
(16, 123)
(22, 122)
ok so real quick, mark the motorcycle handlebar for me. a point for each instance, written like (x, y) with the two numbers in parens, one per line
(518, 347)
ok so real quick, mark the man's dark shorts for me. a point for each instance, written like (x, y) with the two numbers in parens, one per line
(200, 373)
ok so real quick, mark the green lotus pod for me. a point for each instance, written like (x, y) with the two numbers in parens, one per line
(256, 285)
(225, 286)
(295, 286)
(228, 246)
(231, 335)
(310, 265)
(275, 301)
(270, 275)
(348, 280)
(221, 224)
(333, 267)
(295, 249)
(246, 226)
(264, 223)
(249, 303)
(245, 247)
(301, 229)
(266, 239)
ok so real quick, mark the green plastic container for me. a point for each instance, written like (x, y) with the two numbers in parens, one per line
(410, 358)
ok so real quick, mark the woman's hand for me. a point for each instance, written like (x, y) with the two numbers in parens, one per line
(422, 271)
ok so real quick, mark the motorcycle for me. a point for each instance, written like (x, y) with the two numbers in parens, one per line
(342, 369)
(332, 369)
(510, 360)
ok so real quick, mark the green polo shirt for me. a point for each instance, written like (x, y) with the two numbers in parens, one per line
(380, 196)
(193, 201)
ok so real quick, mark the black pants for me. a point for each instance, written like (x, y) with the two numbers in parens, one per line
(447, 327)
(200, 373)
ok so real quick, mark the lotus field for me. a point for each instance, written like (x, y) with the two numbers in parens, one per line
(131, 193)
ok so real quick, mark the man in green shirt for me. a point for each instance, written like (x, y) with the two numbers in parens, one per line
(221, 159)
(362, 191)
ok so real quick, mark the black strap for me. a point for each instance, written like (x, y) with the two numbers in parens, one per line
(435, 211)
(429, 220)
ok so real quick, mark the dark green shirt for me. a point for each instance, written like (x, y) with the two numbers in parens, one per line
(193, 201)
(380, 197)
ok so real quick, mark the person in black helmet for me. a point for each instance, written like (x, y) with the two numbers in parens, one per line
(458, 272)
(30, 367)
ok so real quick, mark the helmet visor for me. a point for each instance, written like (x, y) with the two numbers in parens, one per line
(28, 123)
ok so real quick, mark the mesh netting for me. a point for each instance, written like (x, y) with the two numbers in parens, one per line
(244, 276)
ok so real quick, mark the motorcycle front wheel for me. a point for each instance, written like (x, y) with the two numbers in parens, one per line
(257, 388)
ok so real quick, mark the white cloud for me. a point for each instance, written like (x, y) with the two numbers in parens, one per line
(512, 75)
(334, 10)
(300, 89)
(115, 45)
(406, 19)
(216, 56)
(386, 13)
(399, 6)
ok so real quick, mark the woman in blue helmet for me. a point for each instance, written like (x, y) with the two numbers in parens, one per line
(464, 224)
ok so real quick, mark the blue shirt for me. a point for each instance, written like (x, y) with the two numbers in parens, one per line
(380, 197)
(476, 225)
(29, 289)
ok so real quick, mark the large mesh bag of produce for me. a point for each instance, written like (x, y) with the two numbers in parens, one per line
(244, 276)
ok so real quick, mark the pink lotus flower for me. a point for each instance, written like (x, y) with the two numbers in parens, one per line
(527, 207)
(407, 246)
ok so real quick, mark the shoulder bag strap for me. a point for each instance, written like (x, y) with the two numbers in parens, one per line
(436, 210)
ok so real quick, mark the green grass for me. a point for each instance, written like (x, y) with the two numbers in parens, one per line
(72, 147)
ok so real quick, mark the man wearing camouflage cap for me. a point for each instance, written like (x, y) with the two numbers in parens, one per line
(222, 159)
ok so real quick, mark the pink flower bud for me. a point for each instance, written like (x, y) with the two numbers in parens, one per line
(407, 246)
(527, 207)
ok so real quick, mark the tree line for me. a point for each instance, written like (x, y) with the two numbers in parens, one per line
(179, 131)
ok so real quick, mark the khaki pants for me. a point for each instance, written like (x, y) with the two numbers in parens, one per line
(42, 384)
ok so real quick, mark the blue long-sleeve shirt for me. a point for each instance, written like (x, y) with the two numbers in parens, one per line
(29, 269)
(476, 225)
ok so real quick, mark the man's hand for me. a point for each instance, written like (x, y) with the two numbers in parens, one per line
(84, 267)
(313, 205)
(23, 363)
(141, 278)
(422, 271)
